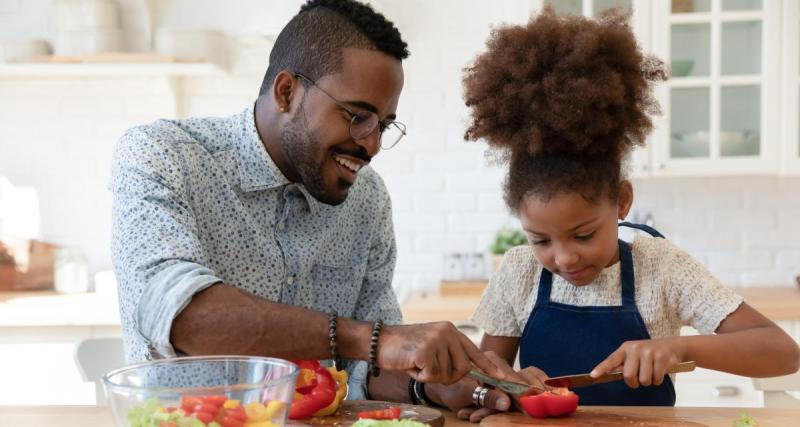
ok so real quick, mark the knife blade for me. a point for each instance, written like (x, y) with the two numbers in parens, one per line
(583, 380)
(513, 388)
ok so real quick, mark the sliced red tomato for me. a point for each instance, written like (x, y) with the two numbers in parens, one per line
(189, 402)
(554, 403)
(206, 407)
(392, 413)
(236, 413)
(205, 417)
(230, 422)
(214, 400)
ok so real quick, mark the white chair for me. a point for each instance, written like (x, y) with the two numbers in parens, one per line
(776, 390)
(97, 356)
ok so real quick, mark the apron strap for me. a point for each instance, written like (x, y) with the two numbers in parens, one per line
(646, 228)
(545, 283)
(626, 275)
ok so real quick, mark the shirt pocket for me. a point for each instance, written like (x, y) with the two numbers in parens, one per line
(335, 288)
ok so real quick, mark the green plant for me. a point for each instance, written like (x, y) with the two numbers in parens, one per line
(506, 239)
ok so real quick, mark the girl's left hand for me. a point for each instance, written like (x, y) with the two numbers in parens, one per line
(643, 362)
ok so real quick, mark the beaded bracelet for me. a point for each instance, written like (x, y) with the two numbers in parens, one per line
(373, 348)
(332, 336)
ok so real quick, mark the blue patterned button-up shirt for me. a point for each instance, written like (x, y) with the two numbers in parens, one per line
(200, 201)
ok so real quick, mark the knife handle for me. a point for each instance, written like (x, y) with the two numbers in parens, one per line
(682, 367)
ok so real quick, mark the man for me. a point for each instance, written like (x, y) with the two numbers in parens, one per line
(241, 235)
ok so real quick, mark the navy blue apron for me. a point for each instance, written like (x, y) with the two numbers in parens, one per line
(562, 339)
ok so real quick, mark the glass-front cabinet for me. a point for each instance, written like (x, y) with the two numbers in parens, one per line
(722, 103)
(791, 85)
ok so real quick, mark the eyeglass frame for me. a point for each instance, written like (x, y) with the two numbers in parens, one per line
(381, 125)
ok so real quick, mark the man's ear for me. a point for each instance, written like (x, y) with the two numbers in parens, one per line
(625, 199)
(283, 89)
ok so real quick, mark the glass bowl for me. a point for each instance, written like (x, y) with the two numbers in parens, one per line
(216, 391)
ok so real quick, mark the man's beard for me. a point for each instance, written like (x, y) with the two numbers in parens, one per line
(301, 148)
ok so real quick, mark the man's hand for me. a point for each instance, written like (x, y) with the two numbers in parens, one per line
(643, 362)
(458, 399)
(431, 352)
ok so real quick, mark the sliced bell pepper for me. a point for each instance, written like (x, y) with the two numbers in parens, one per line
(554, 403)
(320, 396)
(341, 391)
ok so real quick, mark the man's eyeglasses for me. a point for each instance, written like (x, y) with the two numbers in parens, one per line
(364, 122)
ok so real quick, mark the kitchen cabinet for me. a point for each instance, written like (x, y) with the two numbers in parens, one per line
(731, 105)
(791, 83)
(722, 104)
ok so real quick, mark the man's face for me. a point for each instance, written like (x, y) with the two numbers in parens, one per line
(317, 140)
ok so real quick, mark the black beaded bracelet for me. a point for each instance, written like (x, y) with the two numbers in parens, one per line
(332, 336)
(373, 348)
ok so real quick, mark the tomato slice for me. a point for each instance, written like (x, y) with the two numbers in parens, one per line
(188, 403)
(392, 413)
(554, 403)
(214, 400)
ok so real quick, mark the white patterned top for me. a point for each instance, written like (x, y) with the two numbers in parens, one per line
(672, 290)
(199, 201)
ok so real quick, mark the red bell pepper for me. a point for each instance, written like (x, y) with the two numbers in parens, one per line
(553, 403)
(309, 401)
(392, 413)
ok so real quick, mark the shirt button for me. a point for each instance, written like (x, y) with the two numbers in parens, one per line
(281, 226)
(290, 280)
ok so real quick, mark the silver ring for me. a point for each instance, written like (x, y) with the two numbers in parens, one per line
(479, 395)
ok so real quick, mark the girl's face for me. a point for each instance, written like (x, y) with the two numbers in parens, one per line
(573, 237)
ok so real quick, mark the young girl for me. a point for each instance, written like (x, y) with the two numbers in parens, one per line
(564, 99)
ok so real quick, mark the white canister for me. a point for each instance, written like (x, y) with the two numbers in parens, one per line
(71, 271)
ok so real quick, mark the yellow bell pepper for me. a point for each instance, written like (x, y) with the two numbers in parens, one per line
(341, 392)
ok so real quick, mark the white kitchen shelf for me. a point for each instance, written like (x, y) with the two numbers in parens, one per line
(24, 70)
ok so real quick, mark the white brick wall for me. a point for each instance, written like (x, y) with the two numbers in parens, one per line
(56, 134)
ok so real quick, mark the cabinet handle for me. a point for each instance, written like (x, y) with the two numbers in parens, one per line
(725, 391)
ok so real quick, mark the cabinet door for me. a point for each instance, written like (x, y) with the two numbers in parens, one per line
(791, 84)
(721, 103)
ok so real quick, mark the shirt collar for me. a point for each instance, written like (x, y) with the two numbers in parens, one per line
(257, 171)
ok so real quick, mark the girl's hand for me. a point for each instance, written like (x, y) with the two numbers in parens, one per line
(643, 362)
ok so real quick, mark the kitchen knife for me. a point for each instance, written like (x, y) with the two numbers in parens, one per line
(512, 388)
(583, 380)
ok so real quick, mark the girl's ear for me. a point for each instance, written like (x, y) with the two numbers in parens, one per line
(625, 199)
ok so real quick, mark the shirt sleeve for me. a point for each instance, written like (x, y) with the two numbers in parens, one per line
(157, 255)
(701, 300)
(495, 312)
(377, 299)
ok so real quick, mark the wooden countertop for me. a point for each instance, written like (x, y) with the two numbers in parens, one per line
(96, 309)
(777, 303)
(96, 416)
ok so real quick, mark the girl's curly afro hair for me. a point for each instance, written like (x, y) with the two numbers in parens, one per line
(564, 99)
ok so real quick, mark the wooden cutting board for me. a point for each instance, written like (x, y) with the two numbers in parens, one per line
(346, 415)
(588, 417)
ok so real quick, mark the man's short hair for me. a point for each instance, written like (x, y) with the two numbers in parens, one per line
(312, 42)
